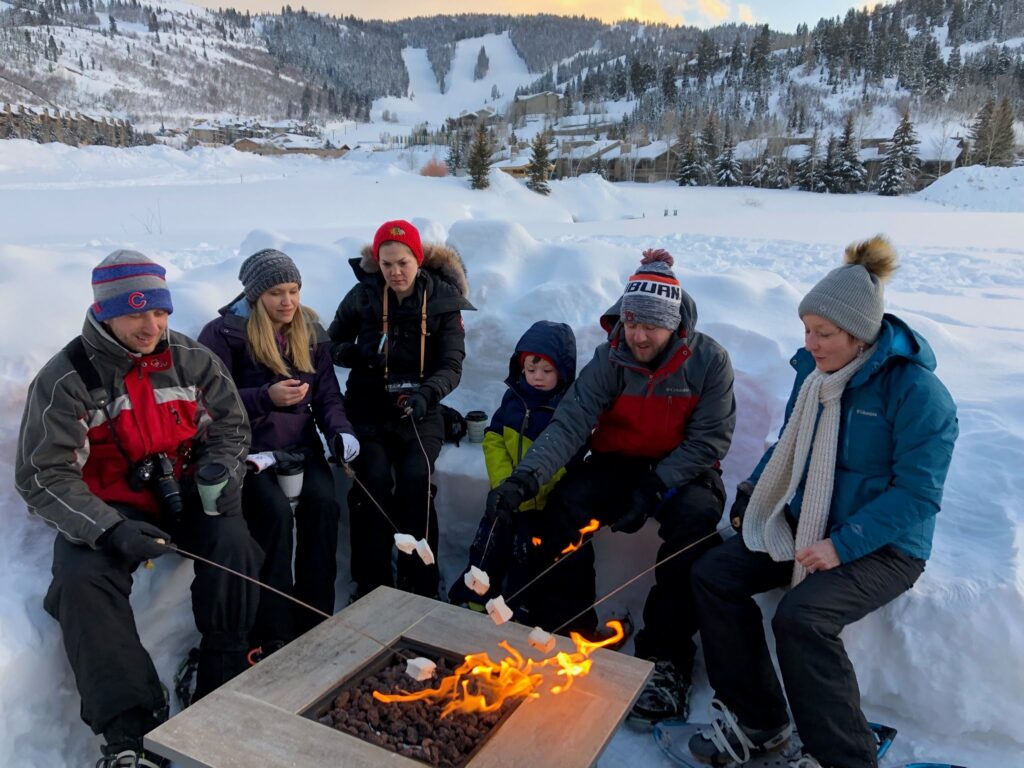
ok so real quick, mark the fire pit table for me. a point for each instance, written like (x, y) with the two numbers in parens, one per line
(267, 717)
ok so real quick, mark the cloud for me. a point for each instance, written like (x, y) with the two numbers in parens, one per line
(714, 11)
(746, 14)
(606, 10)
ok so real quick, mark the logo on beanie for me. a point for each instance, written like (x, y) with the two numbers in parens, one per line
(656, 288)
(137, 300)
(397, 231)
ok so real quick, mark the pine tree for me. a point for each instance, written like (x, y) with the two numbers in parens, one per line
(900, 167)
(455, 159)
(982, 133)
(710, 147)
(482, 65)
(830, 169)
(690, 168)
(727, 168)
(808, 171)
(480, 159)
(1003, 139)
(540, 167)
(851, 176)
(770, 173)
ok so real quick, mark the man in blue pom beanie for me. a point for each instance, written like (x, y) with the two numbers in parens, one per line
(115, 427)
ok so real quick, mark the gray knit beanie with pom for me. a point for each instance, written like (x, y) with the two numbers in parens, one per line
(852, 296)
(265, 269)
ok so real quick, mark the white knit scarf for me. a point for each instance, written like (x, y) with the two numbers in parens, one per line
(765, 528)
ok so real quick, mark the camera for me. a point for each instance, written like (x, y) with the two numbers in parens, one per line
(158, 470)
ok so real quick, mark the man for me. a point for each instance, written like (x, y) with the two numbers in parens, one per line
(112, 423)
(658, 397)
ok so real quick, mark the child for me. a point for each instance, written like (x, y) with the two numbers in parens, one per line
(540, 371)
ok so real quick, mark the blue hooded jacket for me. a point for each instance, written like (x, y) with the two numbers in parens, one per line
(896, 435)
(524, 411)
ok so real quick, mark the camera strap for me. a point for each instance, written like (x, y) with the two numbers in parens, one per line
(75, 350)
(423, 331)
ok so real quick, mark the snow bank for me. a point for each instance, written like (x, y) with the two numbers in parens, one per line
(978, 188)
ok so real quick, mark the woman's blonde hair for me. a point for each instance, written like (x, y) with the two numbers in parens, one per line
(260, 331)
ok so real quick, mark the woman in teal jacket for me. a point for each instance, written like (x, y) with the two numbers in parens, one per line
(841, 509)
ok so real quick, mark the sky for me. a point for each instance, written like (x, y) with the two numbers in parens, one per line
(783, 15)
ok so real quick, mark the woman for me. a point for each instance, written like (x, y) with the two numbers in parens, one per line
(279, 356)
(400, 332)
(842, 509)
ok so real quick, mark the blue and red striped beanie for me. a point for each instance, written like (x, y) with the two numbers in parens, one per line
(127, 282)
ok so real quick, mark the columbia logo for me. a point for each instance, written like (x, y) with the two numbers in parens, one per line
(862, 412)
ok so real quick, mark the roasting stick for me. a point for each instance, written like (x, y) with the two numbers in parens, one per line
(621, 587)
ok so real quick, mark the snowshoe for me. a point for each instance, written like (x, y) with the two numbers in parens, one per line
(666, 696)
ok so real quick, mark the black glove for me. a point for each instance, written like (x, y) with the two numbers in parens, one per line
(229, 503)
(739, 506)
(504, 501)
(644, 503)
(416, 404)
(134, 541)
(349, 354)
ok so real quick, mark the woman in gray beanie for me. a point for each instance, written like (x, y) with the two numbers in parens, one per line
(279, 357)
(841, 510)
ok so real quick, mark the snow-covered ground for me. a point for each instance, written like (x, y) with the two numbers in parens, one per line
(943, 663)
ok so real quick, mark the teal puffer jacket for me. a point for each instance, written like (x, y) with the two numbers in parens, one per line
(895, 443)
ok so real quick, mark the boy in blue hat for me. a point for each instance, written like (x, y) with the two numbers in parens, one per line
(541, 369)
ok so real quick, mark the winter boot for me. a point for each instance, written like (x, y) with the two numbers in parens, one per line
(128, 754)
(729, 741)
(667, 694)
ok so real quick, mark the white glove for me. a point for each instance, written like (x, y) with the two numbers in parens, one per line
(351, 447)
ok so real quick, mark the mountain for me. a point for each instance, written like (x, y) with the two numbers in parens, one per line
(167, 60)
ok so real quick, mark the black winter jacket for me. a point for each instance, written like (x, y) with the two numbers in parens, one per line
(369, 397)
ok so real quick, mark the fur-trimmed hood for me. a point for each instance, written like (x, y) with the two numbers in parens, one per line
(443, 261)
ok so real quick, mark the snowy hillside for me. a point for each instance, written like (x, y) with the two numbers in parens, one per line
(941, 663)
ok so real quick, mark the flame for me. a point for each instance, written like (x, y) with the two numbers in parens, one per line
(590, 527)
(536, 541)
(482, 685)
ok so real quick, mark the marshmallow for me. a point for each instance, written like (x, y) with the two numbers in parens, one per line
(424, 551)
(477, 580)
(420, 668)
(497, 610)
(405, 543)
(541, 640)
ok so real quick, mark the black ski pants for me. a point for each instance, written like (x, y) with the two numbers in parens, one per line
(395, 470)
(601, 488)
(310, 532)
(89, 596)
(819, 679)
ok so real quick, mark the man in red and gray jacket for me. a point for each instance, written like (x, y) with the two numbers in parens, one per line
(656, 403)
(115, 427)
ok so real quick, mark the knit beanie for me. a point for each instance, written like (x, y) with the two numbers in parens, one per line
(127, 282)
(265, 269)
(852, 296)
(398, 231)
(653, 295)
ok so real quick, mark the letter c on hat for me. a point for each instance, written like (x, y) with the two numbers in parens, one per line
(137, 300)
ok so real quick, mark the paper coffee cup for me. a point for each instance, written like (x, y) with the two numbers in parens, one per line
(476, 423)
(210, 481)
(289, 478)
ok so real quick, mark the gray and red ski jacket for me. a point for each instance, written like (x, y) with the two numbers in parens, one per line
(681, 414)
(68, 467)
